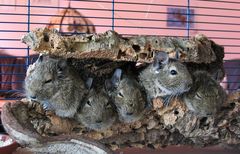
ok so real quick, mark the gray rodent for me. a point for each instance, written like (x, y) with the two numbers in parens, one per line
(206, 96)
(55, 84)
(127, 95)
(165, 78)
(96, 112)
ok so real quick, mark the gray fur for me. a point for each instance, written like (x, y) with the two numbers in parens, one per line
(206, 96)
(97, 112)
(56, 85)
(127, 96)
(159, 82)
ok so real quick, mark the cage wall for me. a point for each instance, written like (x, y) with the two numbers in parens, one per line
(217, 19)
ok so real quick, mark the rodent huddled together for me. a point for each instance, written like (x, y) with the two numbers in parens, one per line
(206, 96)
(59, 87)
(168, 78)
(165, 77)
(96, 110)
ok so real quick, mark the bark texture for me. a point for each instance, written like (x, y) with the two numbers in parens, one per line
(198, 52)
(30, 125)
(111, 45)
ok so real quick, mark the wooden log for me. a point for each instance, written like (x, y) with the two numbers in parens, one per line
(111, 45)
(17, 123)
(160, 127)
(199, 53)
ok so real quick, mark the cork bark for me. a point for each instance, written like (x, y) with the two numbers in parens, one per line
(111, 45)
(199, 53)
(162, 126)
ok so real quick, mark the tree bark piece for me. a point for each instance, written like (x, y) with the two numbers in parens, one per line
(111, 45)
(160, 127)
(199, 53)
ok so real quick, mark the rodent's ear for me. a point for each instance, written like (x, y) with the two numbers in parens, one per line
(156, 66)
(108, 85)
(160, 58)
(40, 58)
(116, 77)
(217, 75)
(177, 54)
(112, 83)
(89, 83)
(62, 68)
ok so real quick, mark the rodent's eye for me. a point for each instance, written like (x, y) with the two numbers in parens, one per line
(173, 72)
(131, 104)
(120, 95)
(89, 103)
(48, 81)
(108, 105)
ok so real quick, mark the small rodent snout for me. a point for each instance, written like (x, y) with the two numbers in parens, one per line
(98, 121)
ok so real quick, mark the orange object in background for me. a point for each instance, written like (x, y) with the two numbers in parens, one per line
(71, 20)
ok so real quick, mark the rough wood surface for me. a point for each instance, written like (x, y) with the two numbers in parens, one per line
(111, 45)
(199, 53)
(160, 127)
(28, 130)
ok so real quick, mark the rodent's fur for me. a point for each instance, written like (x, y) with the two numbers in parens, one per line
(96, 112)
(206, 96)
(165, 77)
(54, 83)
(127, 95)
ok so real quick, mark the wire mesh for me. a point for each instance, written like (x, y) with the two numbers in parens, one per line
(217, 19)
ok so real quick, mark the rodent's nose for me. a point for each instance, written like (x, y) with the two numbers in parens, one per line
(129, 113)
(33, 97)
(98, 121)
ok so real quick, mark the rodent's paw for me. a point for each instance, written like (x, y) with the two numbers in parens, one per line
(46, 106)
